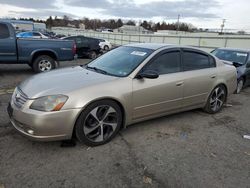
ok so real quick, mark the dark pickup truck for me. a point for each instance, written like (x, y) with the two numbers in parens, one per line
(40, 54)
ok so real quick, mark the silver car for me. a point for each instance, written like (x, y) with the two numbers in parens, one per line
(129, 84)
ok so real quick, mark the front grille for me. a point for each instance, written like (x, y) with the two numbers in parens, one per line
(19, 98)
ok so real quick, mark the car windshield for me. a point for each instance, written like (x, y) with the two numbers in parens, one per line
(120, 61)
(230, 55)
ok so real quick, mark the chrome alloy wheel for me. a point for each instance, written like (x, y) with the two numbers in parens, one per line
(217, 99)
(45, 65)
(100, 123)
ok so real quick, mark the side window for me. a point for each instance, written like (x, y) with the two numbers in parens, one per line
(78, 40)
(85, 42)
(212, 61)
(195, 61)
(36, 34)
(165, 63)
(4, 31)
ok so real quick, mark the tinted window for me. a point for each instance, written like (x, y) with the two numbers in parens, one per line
(194, 61)
(165, 63)
(36, 34)
(28, 34)
(4, 31)
(233, 56)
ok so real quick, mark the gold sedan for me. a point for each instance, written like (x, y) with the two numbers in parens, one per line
(129, 84)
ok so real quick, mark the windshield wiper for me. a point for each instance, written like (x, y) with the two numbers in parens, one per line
(97, 69)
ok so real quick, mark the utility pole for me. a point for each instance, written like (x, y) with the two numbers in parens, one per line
(223, 25)
(178, 24)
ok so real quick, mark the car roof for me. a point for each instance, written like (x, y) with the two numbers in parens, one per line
(156, 46)
(235, 49)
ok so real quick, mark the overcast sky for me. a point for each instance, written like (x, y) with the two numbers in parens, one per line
(201, 13)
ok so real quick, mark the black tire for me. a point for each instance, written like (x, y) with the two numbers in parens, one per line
(106, 48)
(216, 100)
(240, 85)
(92, 55)
(43, 59)
(95, 132)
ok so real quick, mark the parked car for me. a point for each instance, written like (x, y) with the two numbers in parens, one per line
(104, 44)
(86, 46)
(41, 55)
(32, 34)
(239, 58)
(59, 36)
(129, 84)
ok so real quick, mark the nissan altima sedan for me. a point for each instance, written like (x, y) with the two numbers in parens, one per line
(129, 84)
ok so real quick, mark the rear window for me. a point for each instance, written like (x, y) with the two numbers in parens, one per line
(4, 31)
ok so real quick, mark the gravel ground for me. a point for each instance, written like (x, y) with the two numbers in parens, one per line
(190, 149)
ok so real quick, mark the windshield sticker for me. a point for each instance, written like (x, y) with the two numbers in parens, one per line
(242, 54)
(138, 53)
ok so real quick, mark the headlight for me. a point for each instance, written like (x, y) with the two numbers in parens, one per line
(49, 103)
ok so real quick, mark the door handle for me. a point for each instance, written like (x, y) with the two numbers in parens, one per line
(179, 84)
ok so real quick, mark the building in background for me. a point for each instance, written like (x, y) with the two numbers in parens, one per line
(131, 29)
(82, 26)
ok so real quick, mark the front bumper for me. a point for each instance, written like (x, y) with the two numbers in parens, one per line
(43, 126)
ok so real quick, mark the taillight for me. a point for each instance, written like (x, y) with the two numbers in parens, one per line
(74, 48)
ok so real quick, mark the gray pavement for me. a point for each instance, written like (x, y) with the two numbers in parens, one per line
(190, 149)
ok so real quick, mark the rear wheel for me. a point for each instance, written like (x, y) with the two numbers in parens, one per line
(99, 123)
(43, 63)
(92, 55)
(106, 48)
(216, 100)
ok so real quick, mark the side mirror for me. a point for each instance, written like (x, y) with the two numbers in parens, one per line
(237, 64)
(148, 74)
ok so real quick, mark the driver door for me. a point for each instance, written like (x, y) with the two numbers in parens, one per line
(153, 97)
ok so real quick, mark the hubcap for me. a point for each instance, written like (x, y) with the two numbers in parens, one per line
(217, 99)
(45, 65)
(239, 86)
(100, 123)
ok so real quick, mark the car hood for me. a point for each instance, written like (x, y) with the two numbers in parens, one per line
(62, 81)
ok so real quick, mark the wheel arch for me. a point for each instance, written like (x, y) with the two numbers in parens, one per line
(219, 84)
(119, 103)
(38, 53)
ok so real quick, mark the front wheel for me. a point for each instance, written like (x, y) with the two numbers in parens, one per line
(240, 85)
(216, 100)
(99, 123)
(43, 63)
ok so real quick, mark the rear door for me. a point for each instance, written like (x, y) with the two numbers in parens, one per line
(153, 97)
(7, 44)
(199, 74)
